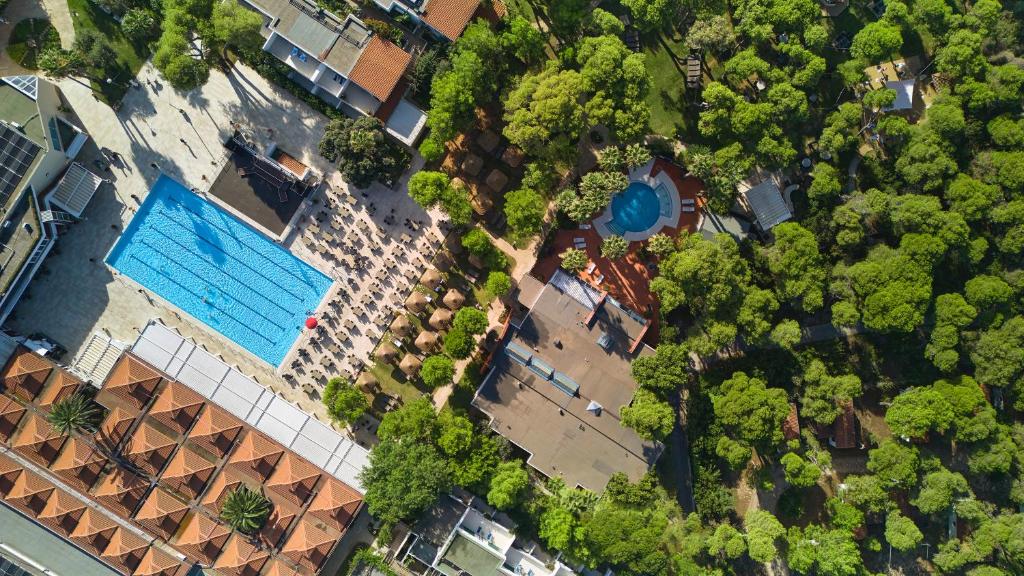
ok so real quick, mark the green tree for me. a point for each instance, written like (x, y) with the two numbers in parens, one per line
(822, 551)
(140, 25)
(403, 478)
(235, 26)
(661, 244)
(786, 334)
(918, 411)
(614, 247)
(415, 421)
(750, 410)
(479, 244)
(508, 485)
(245, 510)
(985, 292)
(522, 40)
(362, 151)
(938, 489)
(998, 357)
(877, 41)
(650, 417)
(344, 402)
(665, 371)
(798, 266)
(926, 162)
(459, 344)
(763, 531)
(628, 539)
(726, 542)
(826, 186)
(437, 371)
(824, 394)
(498, 284)
(799, 472)
(544, 112)
(471, 320)
(901, 532)
(651, 14)
(434, 189)
(841, 129)
(706, 275)
(524, 211)
(961, 56)
(574, 260)
(710, 34)
(867, 493)
(894, 464)
(603, 23)
(1006, 132)
(76, 413)
(971, 198)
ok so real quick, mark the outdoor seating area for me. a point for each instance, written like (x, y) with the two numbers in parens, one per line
(375, 267)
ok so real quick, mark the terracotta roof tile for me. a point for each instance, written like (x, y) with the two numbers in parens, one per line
(124, 551)
(256, 455)
(149, 449)
(278, 567)
(309, 546)
(294, 479)
(201, 538)
(114, 427)
(336, 504)
(156, 562)
(29, 493)
(188, 472)
(121, 491)
(62, 512)
(176, 407)
(61, 387)
(844, 431)
(791, 425)
(11, 412)
(280, 519)
(161, 513)
(379, 68)
(449, 17)
(37, 440)
(79, 464)
(9, 472)
(241, 558)
(25, 374)
(93, 531)
(221, 486)
(215, 431)
(131, 382)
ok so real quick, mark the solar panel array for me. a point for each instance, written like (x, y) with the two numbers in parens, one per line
(8, 568)
(16, 156)
(27, 85)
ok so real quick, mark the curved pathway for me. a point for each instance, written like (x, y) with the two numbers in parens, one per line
(55, 10)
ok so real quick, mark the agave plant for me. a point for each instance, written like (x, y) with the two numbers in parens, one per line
(76, 413)
(245, 510)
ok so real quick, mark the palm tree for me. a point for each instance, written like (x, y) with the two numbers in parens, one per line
(245, 510)
(75, 413)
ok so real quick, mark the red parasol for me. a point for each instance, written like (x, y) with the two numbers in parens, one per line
(311, 323)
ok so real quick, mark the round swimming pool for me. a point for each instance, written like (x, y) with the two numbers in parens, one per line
(636, 208)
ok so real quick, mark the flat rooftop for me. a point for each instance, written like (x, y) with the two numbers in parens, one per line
(19, 238)
(532, 404)
(255, 194)
(15, 107)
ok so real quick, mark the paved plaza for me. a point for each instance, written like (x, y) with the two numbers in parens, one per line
(159, 130)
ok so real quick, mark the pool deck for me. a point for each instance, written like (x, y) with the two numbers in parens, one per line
(627, 280)
(656, 180)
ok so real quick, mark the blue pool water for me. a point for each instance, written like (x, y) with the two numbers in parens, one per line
(218, 269)
(636, 208)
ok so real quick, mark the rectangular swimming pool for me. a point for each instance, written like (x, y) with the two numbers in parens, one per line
(219, 270)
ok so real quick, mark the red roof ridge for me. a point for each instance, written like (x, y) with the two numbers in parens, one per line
(334, 497)
(294, 478)
(91, 523)
(305, 540)
(450, 17)
(59, 504)
(156, 562)
(238, 554)
(160, 503)
(256, 453)
(132, 380)
(379, 67)
(25, 373)
(61, 387)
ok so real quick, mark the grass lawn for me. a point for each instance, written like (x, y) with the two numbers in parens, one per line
(393, 383)
(130, 57)
(671, 115)
(29, 38)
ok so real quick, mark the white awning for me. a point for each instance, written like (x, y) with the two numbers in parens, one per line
(904, 94)
(406, 122)
(767, 204)
(75, 190)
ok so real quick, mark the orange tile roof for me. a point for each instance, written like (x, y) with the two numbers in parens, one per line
(11, 412)
(93, 531)
(280, 519)
(25, 373)
(61, 387)
(9, 472)
(240, 557)
(29, 493)
(121, 491)
(215, 430)
(278, 567)
(114, 427)
(294, 478)
(449, 17)
(201, 538)
(308, 545)
(131, 381)
(161, 513)
(379, 68)
(256, 455)
(335, 504)
(156, 562)
(79, 464)
(37, 440)
(176, 407)
(188, 472)
(149, 449)
(222, 485)
(124, 551)
(844, 431)
(791, 425)
(62, 512)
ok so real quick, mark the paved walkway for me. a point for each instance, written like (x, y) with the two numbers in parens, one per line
(60, 18)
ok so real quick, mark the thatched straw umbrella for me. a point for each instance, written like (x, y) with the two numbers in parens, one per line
(431, 279)
(440, 319)
(454, 299)
(401, 326)
(367, 382)
(416, 302)
(426, 340)
(386, 352)
(410, 365)
(443, 261)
